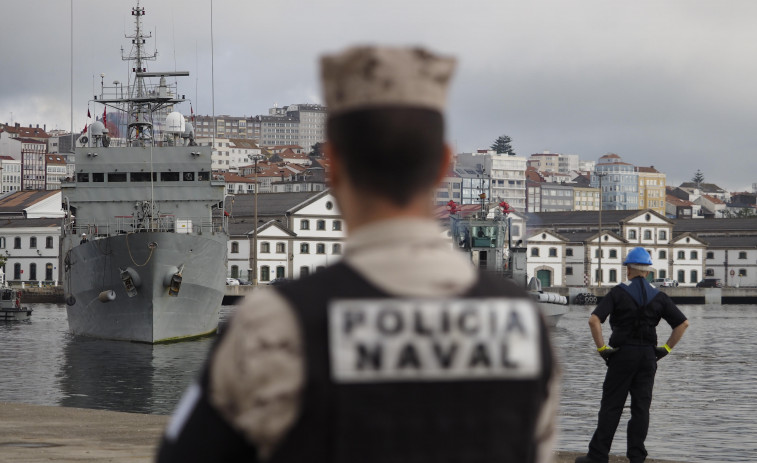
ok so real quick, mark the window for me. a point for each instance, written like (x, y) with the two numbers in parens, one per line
(2, 243)
(631, 234)
(265, 247)
(32, 272)
(280, 248)
(17, 243)
(534, 252)
(99, 177)
(280, 272)
(49, 272)
(663, 234)
(143, 176)
(662, 255)
(552, 252)
(304, 248)
(742, 272)
(265, 273)
(742, 255)
(662, 274)
(598, 275)
(16, 271)
(320, 248)
(336, 249)
(613, 275)
(694, 276)
(694, 255)
(304, 224)
(116, 177)
(336, 225)
(33, 242)
(597, 253)
(48, 242)
(234, 247)
(234, 271)
(613, 255)
(320, 225)
(681, 276)
(304, 271)
(710, 255)
(681, 255)
(81, 177)
(647, 234)
(569, 252)
(515, 229)
(709, 272)
(568, 270)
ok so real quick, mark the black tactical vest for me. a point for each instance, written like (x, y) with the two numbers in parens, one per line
(417, 420)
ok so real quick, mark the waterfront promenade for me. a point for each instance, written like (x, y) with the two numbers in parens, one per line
(36, 433)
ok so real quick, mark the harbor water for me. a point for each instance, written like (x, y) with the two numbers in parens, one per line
(705, 395)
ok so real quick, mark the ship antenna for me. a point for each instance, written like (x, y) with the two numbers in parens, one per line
(212, 80)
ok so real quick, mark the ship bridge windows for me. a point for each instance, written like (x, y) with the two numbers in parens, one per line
(188, 176)
(115, 177)
(203, 176)
(169, 176)
(82, 177)
(143, 176)
(98, 177)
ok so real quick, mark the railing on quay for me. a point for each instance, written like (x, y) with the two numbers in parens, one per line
(121, 225)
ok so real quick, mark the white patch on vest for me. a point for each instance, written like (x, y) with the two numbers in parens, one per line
(183, 411)
(429, 340)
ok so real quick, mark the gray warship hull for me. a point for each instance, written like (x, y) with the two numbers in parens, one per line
(150, 314)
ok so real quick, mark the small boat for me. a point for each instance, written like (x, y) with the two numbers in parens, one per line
(10, 305)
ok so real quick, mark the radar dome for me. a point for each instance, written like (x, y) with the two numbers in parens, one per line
(96, 129)
(175, 123)
(189, 130)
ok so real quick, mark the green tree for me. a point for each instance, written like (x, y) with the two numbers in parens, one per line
(316, 150)
(698, 178)
(502, 145)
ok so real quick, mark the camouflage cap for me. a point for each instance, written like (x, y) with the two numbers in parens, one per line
(373, 77)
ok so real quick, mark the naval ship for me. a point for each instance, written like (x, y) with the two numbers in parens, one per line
(486, 238)
(144, 238)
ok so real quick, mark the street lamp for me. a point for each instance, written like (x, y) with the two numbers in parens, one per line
(255, 228)
(600, 175)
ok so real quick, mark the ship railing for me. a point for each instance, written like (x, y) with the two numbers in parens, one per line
(121, 225)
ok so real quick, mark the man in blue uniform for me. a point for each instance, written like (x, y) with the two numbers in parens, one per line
(635, 308)
(401, 351)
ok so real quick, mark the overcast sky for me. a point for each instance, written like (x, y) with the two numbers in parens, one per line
(669, 84)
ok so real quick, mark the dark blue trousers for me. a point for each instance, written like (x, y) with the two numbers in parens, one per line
(630, 370)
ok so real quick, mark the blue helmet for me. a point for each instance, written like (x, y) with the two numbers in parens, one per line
(638, 256)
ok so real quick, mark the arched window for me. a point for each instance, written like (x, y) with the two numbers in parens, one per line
(663, 255)
(280, 248)
(280, 272)
(336, 249)
(647, 234)
(265, 247)
(33, 242)
(304, 271)
(597, 254)
(709, 272)
(2, 243)
(49, 272)
(32, 271)
(613, 275)
(534, 252)
(17, 271)
(569, 252)
(336, 225)
(234, 271)
(49, 242)
(320, 225)
(742, 255)
(552, 252)
(694, 276)
(304, 224)
(631, 234)
(17, 242)
(663, 234)
(742, 272)
(320, 248)
(711, 255)
(234, 247)
(662, 274)
(304, 248)
(681, 255)
(694, 255)
(681, 276)
(613, 255)
(265, 273)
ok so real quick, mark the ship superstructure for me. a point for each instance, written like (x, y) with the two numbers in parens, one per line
(144, 243)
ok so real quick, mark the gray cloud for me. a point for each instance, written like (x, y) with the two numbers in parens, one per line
(660, 83)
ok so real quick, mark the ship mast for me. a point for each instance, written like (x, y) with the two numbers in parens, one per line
(139, 112)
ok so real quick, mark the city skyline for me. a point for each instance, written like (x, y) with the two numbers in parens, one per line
(663, 84)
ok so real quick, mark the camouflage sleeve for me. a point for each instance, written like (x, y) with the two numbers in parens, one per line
(257, 371)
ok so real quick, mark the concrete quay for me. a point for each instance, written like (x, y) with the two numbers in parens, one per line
(35, 433)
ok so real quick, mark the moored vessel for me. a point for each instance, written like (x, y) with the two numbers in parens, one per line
(143, 243)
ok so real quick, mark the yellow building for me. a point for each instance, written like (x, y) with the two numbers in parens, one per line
(651, 189)
(585, 199)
